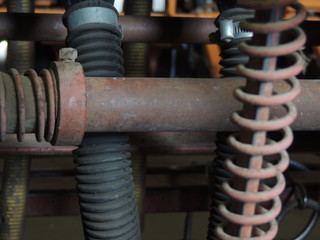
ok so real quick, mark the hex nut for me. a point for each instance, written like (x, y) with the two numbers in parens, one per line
(68, 54)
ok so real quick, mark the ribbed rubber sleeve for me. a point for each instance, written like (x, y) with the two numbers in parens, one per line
(217, 175)
(231, 57)
(99, 51)
(104, 174)
(106, 189)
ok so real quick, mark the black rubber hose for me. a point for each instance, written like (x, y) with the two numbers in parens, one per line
(297, 166)
(104, 174)
(106, 189)
(217, 175)
(98, 44)
(309, 204)
(231, 57)
(99, 50)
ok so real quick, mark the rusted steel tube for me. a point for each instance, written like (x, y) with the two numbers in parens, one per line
(49, 27)
(141, 104)
(147, 104)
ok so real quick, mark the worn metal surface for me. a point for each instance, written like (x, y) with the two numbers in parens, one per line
(49, 27)
(185, 104)
(71, 117)
(146, 104)
(134, 104)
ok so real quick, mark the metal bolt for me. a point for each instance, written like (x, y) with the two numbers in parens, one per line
(68, 54)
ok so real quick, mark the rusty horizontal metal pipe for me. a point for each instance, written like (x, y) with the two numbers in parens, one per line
(147, 104)
(94, 104)
(71, 104)
(49, 27)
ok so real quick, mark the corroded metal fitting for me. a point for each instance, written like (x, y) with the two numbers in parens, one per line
(68, 54)
(51, 105)
(71, 107)
(229, 21)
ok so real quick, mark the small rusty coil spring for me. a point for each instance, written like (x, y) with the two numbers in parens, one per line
(29, 90)
(257, 191)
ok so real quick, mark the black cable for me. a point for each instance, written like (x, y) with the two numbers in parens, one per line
(309, 204)
(301, 202)
(297, 166)
(187, 234)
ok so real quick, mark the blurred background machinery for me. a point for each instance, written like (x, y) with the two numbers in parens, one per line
(130, 134)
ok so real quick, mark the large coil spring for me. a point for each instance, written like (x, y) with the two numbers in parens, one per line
(99, 50)
(254, 191)
(32, 94)
(105, 188)
(231, 58)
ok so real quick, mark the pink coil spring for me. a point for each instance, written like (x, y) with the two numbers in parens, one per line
(255, 190)
(45, 96)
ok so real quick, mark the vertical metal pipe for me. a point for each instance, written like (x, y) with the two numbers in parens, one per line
(139, 180)
(13, 197)
(136, 65)
(136, 54)
(20, 55)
